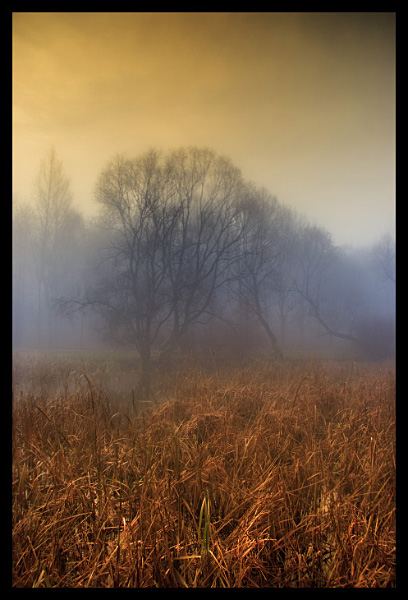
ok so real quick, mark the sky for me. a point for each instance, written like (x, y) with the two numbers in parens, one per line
(302, 103)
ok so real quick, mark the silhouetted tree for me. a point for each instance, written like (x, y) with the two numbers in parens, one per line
(55, 225)
(171, 221)
(315, 276)
(259, 267)
(384, 258)
(24, 286)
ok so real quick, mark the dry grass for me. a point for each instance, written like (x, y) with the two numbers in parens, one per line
(262, 477)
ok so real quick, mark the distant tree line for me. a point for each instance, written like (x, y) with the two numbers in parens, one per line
(183, 245)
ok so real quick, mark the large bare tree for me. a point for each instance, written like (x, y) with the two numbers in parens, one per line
(204, 241)
(172, 232)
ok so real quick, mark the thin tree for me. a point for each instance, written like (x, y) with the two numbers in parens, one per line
(53, 200)
(258, 270)
(384, 258)
(314, 276)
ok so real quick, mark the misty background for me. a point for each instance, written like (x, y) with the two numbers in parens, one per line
(298, 109)
(186, 255)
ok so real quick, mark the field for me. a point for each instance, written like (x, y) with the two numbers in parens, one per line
(269, 475)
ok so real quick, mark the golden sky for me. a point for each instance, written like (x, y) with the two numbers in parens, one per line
(303, 103)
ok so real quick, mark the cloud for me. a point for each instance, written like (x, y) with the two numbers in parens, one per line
(302, 102)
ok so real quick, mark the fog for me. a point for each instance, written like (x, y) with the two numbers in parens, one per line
(204, 182)
(186, 258)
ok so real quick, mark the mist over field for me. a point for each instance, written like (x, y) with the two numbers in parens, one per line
(203, 387)
(185, 256)
(203, 300)
(297, 110)
(198, 333)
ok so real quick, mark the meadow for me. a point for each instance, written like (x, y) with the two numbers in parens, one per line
(264, 475)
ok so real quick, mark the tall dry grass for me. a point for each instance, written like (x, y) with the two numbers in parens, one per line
(260, 477)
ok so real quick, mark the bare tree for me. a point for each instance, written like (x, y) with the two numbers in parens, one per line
(258, 271)
(171, 230)
(204, 242)
(24, 285)
(55, 222)
(384, 258)
(315, 276)
(131, 292)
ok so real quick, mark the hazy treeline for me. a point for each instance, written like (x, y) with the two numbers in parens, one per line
(186, 254)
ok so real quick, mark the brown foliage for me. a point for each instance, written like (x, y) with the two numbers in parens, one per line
(272, 476)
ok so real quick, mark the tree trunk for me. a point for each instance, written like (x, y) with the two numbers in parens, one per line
(276, 352)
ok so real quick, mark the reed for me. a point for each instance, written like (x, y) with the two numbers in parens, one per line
(270, 476)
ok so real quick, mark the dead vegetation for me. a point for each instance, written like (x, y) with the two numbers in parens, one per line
(271, 476)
